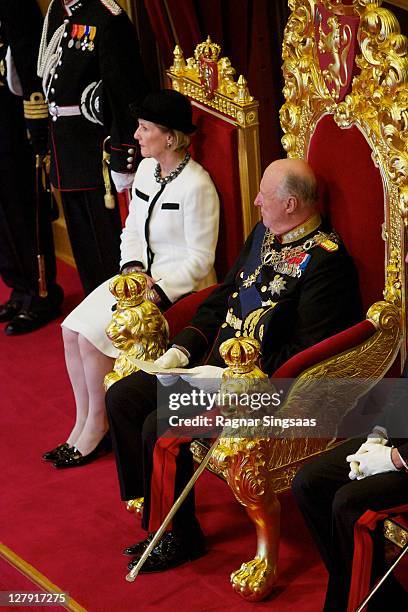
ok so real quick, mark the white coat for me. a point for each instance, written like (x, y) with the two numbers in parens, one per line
(183, 228)
(183, 233)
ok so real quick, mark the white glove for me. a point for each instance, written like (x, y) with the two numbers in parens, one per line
(354, 466)
(375, 460)
(173, 358)
(207, 378)
(122, 180)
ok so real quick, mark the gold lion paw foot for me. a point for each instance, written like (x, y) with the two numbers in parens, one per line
(254, 579)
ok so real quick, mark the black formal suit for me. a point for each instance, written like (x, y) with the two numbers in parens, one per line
(95, 71)
(314, 295)
(331, 504)
(20, 30)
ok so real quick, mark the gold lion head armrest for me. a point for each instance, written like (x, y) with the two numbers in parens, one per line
(137, 329)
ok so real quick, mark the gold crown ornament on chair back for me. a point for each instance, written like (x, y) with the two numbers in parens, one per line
(138, 328)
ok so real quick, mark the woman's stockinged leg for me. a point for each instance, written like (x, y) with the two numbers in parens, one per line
(77, 378)
(95, 365)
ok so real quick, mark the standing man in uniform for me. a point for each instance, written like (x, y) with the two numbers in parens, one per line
(91, 71)
(24, 230)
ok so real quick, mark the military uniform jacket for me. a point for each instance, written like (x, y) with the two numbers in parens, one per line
(288, 294)
(90, 63)
(20, 30)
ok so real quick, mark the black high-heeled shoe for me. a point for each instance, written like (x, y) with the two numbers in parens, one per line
(76, 458)
(57, 452)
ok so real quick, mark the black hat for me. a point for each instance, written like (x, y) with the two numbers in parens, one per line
(167, 107)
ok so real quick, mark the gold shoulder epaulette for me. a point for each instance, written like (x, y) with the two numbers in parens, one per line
(36, 107)
(112, 6)
(328, 242)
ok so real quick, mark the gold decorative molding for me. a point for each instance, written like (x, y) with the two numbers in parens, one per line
(209, 81)
(396, 533)
(135, 506)
(376, 105)
(393, 289)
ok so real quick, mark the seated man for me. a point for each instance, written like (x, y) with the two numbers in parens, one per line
(292, 285)
(335, 490)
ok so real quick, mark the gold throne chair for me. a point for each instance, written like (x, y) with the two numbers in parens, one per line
(345, 67)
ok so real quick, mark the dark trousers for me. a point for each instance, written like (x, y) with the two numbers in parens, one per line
(94, 232)
(131, 405)
(18, 231)
(331, 504)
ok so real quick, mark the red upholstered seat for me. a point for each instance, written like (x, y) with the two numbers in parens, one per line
(180, 313)
(325, 349)
(353, 199)
(123, 203)
(215, 147)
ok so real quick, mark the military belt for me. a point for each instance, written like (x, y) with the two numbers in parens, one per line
(63, 111)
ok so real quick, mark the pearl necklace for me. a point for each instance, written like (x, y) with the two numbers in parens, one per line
(167, 179)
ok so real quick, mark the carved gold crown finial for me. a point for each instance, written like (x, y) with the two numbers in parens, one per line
(208, 49)
(241, 355)
(178, 61)
(128, 289)
(243, 94)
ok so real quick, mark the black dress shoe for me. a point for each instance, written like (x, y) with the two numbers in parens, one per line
(139, 548)
(55, 453)
(9, 310)
(29, 320)
(75, 458)
(170, 552)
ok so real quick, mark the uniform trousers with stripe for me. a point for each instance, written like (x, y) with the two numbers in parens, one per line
(18, 233)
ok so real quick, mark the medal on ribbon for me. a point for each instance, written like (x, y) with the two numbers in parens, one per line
(74, 33)
(91, 44)
(84, 43)
(79, 35)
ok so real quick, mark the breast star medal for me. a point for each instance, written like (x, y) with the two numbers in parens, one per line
(277, 285)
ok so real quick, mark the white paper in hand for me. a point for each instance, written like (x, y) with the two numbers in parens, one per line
(151, 368)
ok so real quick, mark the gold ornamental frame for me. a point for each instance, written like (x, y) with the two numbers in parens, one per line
(231, 102)
(376, 105)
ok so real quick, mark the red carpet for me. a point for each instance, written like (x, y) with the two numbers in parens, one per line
(71, 526)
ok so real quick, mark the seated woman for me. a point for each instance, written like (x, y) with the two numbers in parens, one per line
(170, 234)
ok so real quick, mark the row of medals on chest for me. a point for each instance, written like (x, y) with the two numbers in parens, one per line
(280, 260)
(82, 37)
